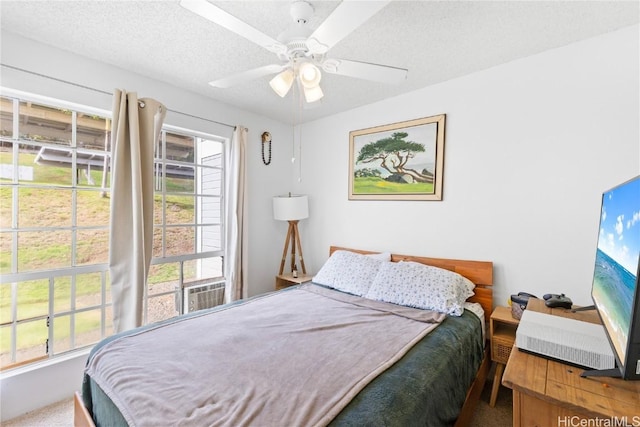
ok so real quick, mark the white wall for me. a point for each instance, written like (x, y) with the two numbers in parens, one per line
(26, 389)
(529, 148)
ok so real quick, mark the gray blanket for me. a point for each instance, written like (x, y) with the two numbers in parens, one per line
(288, 358)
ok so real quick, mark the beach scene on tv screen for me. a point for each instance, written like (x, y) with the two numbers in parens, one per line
(616, 263)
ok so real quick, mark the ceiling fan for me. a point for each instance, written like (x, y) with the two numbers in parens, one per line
(301, 51)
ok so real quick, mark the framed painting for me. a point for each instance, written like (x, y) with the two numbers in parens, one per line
(399, 161)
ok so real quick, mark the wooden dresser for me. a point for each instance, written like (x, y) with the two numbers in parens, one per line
(549, 393)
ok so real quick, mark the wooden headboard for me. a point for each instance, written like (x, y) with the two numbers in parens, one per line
(479, 272)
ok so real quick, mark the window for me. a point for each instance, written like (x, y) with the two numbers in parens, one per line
(188, 227)
(54, 225)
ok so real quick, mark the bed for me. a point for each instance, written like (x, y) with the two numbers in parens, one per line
(346, 359)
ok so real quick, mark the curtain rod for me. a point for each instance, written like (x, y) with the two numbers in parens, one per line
(106, 93)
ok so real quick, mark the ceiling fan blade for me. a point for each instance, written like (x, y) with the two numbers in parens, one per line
(247, 75)
(345, 18)
(363, 70)
(231, 23)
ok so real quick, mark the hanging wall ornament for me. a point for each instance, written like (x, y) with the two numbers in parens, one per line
(266, 139)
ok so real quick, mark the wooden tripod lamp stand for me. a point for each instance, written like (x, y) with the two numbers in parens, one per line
(291, 208)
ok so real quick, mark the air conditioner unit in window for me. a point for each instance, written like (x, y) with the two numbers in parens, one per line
(201, 296)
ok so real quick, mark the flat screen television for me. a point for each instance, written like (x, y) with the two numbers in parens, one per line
(615, 290)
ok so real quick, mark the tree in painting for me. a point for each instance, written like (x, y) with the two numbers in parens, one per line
(393, 153)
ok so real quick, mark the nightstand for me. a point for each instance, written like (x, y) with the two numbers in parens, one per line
(286, 280)
(502, 332)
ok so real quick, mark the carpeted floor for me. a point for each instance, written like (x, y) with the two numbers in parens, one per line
(57, 415)
(61, 414)
(500, 415)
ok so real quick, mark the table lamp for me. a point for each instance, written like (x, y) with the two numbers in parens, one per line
(291, 208)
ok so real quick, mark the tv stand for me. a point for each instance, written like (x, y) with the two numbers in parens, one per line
(551, 393)
(613, 373)
(585, 308)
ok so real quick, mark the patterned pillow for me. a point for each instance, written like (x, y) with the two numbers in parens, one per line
(421, 286)
(469, 285)
(349, 272)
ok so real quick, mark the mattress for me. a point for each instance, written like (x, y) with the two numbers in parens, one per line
(427, 386)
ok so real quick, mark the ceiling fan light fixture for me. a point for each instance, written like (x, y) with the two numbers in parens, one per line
(313, 94)
(282, 82)
(309, 75)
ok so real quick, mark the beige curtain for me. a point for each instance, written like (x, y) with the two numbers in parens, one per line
(235, 236)
(135, 129)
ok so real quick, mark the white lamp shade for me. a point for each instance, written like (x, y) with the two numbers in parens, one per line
(290, 208)
(313, 94)
(282, 82)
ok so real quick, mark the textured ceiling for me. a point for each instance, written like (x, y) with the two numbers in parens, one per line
(434, 40)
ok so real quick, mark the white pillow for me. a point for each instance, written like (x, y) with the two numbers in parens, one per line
(382, 256)
(421, 286)
(349, 272)
(469, 285)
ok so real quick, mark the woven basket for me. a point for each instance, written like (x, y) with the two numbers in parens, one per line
(501, 349)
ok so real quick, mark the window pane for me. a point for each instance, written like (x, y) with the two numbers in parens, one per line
(87, 327)
(33, 299)
(44, 165)
(61, 294)
(205, 268)
(31, 338)
(157, 209)
(6, 117)
(62, 334)
(157, 242)
(90, 165)
(162, 307)
(180, 241)
(210, 181)
(92, 208)
(88, 290)
(167, 274)
(5, 303)
(162, 287)
(32, 212)
(209, 210)
(180, 147)
(210, 238)
(93, 132)
(5, 252)
(179, 178)
(163, 278)
(209, 153)
(92, 247)
(180, 209)
(44, 250)
(45, 124)
(6, 162)
(6, 334)
(6, 206)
